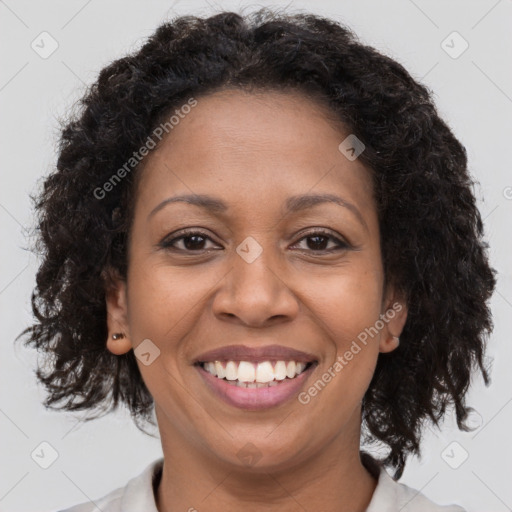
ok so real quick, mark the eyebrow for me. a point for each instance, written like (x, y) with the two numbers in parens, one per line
(209, 203)
(298, 203)
(293, 204)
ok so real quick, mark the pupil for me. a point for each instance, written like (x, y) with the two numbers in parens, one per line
(317, 243)
(193, 245)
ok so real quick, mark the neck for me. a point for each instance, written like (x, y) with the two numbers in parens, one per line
(332, 480)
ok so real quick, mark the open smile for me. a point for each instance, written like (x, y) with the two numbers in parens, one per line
(255, 385)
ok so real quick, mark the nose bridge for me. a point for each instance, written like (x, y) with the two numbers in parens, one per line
(254, 291)
(254, 263)
(254, 267)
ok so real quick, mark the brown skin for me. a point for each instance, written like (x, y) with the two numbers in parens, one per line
(254, 151)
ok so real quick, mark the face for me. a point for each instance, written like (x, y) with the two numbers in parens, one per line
(256, 265)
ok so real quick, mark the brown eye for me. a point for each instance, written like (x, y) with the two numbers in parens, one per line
(190, 241)
(319, 241)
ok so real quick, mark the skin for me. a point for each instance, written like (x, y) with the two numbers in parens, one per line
(254, 151)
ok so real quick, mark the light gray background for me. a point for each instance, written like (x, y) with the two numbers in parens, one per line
(473, 93)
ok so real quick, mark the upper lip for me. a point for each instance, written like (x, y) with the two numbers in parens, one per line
(256, 354)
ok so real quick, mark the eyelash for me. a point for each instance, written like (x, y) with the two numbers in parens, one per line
(342, 245)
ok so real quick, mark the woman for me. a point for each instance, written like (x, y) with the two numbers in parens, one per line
(261, 231)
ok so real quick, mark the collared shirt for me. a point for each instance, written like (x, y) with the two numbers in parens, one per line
(389, 495)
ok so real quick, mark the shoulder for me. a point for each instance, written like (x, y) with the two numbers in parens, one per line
(136, 495)
(108, 503)
(412, 500)
(390, 495)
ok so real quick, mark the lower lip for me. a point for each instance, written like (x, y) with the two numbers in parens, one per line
(255, 398)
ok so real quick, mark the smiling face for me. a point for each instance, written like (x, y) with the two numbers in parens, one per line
(261, 265)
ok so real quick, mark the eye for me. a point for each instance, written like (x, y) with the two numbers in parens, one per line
(319, 241)
(195, 241)
(191, 241)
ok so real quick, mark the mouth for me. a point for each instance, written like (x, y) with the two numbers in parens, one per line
(256, 384)
(255, 375)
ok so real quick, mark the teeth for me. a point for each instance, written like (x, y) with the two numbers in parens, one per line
(218, 370)
(280, 370)
(231, 371)
(255, 375)
(252, 384)
(246, 372)
(264, 372)
(290, 369)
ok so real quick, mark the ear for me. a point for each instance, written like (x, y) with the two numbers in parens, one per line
(394, 316)
(117, 312)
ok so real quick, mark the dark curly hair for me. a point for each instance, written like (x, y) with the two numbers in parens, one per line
(431, 230)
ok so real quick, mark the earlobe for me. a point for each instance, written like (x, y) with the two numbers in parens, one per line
(389, 344)
(118, 344)
(395, 316)
(118, 341)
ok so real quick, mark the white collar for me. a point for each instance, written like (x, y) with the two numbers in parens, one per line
(389, 495)
(392, 496)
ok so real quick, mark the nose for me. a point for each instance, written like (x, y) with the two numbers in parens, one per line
(255, 294)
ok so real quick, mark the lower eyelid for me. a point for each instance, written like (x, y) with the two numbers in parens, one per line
(340, 244)
(170, 244)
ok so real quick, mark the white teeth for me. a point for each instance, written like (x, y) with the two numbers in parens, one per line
(290, 369)
(254, 375)
(231, 371)
(280, 370)
(246, 372)
(253, 385)
(219, 370)
(264, 372)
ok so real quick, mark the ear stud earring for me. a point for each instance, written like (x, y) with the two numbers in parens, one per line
(117, 336)
(397, 339)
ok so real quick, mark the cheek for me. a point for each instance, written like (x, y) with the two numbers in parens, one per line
(160, 301)
(347, 306)
(161, 308)
(347, 302)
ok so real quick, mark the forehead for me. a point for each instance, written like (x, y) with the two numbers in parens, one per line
(273, 121)
(252, 145)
